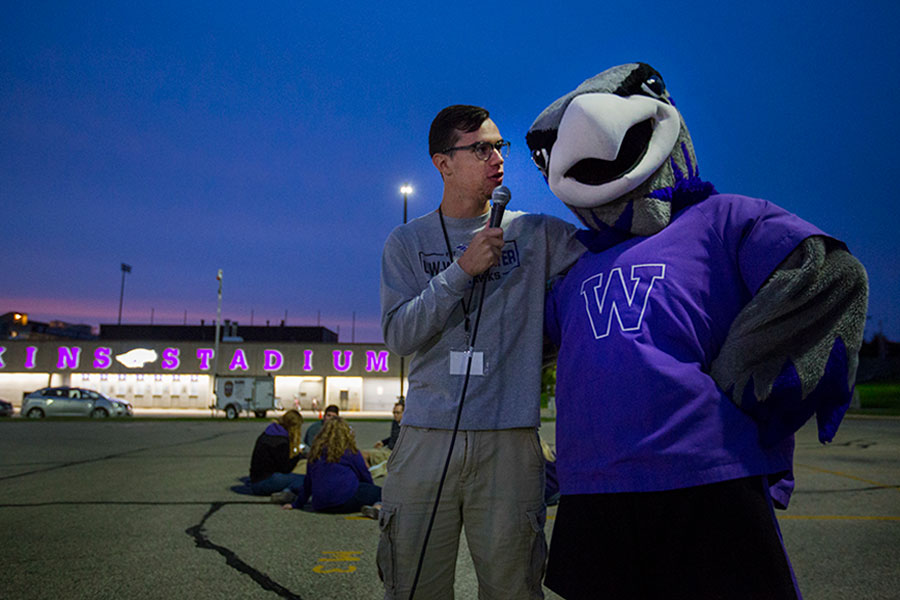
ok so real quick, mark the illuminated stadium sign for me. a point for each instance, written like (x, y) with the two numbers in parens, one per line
(258, 359)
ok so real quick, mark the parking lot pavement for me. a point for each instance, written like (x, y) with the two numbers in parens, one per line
(144, 509)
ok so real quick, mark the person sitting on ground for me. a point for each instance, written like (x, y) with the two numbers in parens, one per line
(395, 428)
(337, 478)
(383, 448)
(331, 412)
(276, 454)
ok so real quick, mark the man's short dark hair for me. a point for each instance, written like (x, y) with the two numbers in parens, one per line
(333, 408)
(448, 124)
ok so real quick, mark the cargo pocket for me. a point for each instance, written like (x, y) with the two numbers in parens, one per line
(538, 565)
(385, 559)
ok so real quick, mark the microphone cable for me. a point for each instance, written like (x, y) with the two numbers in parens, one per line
(500, 196)
(462, 397)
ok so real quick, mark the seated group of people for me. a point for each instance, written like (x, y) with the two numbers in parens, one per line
(337, 478)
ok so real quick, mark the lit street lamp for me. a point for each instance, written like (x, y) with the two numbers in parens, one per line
(406, 190)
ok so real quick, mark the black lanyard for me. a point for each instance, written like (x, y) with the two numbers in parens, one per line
(467, 307)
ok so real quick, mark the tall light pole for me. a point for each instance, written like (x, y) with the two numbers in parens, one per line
(125, 269)
(406, 190)
(218, 326)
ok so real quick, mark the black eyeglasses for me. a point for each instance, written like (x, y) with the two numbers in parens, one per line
(483, 150)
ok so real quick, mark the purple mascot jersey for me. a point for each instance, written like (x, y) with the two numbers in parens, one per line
(654, 307)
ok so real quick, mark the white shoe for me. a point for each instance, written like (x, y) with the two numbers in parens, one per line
(284, 497)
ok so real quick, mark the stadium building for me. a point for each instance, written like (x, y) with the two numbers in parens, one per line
(172, 366)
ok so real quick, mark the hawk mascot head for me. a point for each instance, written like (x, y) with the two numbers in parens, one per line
(617, 152)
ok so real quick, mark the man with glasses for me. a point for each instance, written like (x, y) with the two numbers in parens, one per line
(433, 270)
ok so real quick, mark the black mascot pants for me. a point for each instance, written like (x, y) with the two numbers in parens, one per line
(712, 541)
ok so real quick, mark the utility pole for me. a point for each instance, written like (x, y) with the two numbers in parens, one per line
(218, 328)
(125, 269)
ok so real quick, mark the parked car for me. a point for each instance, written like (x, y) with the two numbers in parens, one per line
(72, 402)
(6, 408)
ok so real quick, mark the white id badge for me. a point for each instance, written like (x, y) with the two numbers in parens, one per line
(459, 360)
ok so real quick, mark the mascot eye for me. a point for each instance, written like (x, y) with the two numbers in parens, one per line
(654, 86)
(540, 158)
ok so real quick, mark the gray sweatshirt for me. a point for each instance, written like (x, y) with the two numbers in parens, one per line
(421, 289)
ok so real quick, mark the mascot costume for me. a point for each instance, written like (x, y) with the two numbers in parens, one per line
(696, 334)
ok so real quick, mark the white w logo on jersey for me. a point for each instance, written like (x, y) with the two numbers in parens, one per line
(627, 301)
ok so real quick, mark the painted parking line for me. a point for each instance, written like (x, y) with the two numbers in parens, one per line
(848, 476)
(835, 518)
(362, 518)
(871, 482)
(337, 556)
(780, 517)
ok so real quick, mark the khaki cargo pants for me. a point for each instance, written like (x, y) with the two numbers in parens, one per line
(494, 489)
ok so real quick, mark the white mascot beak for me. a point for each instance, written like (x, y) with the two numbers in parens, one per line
(594, 126)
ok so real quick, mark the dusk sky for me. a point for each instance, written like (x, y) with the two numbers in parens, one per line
(270, 139)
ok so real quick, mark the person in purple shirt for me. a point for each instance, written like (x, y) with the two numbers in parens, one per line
(696, 334)
(337, 478)
(275, 455)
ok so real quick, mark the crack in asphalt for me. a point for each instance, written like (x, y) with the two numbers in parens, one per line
(85, 461)
(197, 532)
(232, 559)
(859, 443)
(124, 503)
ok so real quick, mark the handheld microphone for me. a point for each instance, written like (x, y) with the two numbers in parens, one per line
(499, 197)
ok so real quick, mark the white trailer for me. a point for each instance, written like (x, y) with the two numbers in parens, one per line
(250, 394)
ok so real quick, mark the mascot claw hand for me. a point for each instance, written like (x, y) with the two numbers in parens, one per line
(685, 297)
